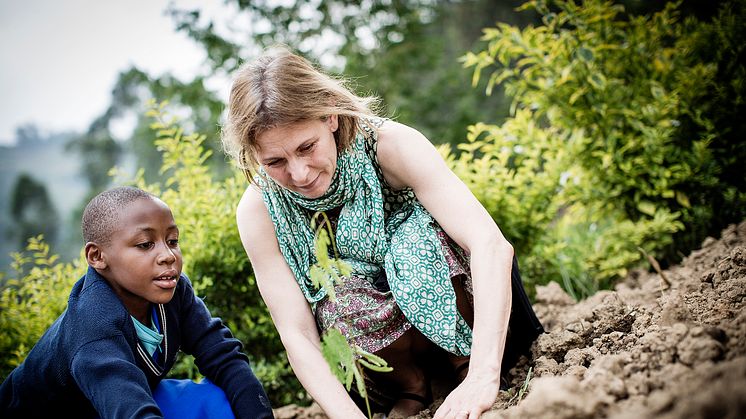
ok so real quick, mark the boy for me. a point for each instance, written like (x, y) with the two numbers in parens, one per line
(125, 320)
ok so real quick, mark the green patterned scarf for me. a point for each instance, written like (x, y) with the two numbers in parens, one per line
(406, 245)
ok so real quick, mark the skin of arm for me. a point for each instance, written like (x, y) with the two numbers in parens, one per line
(408, 159)
(289, 309)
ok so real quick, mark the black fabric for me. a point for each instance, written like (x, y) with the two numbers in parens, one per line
(381, 283)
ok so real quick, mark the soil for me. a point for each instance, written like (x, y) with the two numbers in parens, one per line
(668, 344)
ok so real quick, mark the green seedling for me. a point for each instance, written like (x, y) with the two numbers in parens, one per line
(346, 360)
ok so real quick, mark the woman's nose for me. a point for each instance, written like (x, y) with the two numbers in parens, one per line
(298, 171)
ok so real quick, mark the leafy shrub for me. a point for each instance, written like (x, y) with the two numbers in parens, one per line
(608, 151)
(32, 297)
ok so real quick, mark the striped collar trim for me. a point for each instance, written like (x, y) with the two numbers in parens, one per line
(147, 359)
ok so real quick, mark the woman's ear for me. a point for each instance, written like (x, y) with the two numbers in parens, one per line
(95, 256)
(333, 122)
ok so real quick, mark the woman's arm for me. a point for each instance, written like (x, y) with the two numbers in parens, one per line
(408, 159)
(289, 309)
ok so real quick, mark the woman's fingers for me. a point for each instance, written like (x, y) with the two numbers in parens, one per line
(468, 400)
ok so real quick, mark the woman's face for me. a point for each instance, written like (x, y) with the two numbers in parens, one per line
(301, 157)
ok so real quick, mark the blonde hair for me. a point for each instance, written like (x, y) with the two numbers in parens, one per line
(281, 88)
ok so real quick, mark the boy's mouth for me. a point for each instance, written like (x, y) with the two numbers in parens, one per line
(167, 280)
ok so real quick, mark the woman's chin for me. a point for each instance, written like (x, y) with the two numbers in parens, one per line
(316, 190)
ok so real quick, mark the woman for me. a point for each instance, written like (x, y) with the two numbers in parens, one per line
(429, 264)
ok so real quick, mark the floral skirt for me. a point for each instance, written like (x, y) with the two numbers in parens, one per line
(369, 317)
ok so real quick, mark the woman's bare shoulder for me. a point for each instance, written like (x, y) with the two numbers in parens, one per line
(398, 146)
(250, 200)
(251, 213)
(393, 135)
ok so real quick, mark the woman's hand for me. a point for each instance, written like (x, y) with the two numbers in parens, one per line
(476, 394)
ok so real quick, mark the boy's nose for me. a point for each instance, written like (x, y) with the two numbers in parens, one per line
(166, 255)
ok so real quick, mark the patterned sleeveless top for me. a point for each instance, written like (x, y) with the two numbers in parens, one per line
(379, 230)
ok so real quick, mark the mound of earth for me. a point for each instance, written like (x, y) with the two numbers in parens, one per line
(668, 344)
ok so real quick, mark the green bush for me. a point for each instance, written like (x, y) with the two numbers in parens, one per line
(609, 150)
(32, 297)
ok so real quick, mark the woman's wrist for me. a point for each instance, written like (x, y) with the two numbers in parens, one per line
(486, 355)
(483, 370)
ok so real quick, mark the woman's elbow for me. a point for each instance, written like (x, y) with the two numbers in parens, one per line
(505, 247)
(494, 240)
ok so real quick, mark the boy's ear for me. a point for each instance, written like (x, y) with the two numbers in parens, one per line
(94, 255)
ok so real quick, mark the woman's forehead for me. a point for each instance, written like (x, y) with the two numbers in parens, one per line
(288, 135)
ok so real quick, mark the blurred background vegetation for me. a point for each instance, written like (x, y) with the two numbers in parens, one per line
(593, 132)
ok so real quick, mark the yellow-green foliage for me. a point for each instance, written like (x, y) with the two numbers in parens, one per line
(33, 296)
(346, 361)
(595, 162)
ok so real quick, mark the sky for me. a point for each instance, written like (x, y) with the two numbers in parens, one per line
(61, 59)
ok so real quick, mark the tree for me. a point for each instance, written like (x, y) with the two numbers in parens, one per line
(99, 152)
(28, 134)
(404, 51)
(32, 211)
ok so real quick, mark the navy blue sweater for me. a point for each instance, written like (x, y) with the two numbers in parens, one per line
(90, 361)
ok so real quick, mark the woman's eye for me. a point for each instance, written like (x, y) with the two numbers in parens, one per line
(144, 246)
(308, 147)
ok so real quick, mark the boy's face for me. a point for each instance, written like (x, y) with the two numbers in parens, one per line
(143, 261)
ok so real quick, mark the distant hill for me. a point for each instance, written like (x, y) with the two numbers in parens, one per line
(48, 163)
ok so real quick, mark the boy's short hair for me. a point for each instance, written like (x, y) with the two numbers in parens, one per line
(101, 214)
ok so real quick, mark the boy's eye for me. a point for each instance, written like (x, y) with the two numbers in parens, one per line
(173, 242)
(144, 246)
